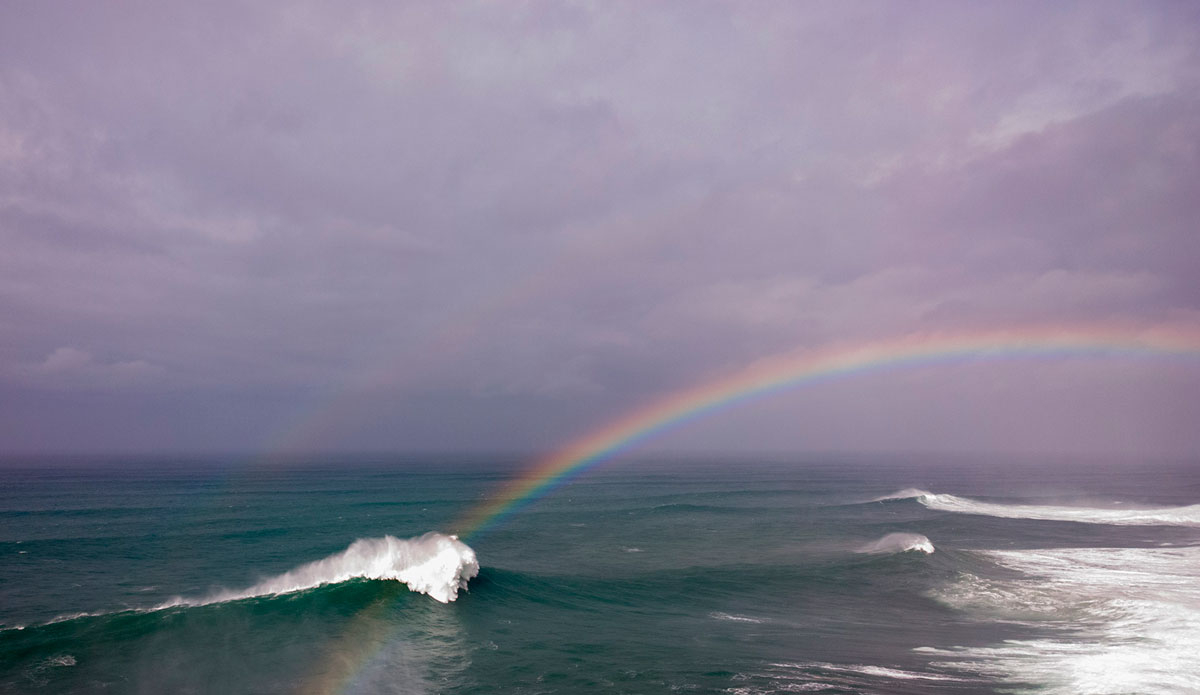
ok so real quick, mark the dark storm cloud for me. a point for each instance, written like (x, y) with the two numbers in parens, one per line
(421, 214)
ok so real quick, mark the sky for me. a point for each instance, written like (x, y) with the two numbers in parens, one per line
(479, 226)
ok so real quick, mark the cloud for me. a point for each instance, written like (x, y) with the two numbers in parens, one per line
(573, 206)
(64, 359)
(69, 367)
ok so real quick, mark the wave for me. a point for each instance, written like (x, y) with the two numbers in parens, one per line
(434, 564)
(898, 543)
(1162, 516)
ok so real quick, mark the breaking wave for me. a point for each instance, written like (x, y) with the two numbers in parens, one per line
(905, 494)
(434, 564)
(1165, 516)
(898, 543)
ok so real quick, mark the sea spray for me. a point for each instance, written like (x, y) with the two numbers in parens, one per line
(434, 564)
(898, 543)
(1162, 516)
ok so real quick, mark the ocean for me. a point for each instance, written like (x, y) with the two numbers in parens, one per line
(742, 575)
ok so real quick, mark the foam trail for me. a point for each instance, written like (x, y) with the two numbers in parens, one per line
(1164, 516)
(898, 543)
(816, 676)
(869, 670)
(733, 617)
(434, 564)
(1114, 620)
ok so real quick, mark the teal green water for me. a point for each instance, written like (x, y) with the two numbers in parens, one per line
(738, 576)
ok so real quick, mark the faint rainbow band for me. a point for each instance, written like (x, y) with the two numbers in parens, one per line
(793, 370)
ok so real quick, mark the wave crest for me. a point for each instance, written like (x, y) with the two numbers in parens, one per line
(898, 543)
(434, 564)
(1162, 516)
(905, 494)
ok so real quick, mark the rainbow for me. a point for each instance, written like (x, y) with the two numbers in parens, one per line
(793, 370)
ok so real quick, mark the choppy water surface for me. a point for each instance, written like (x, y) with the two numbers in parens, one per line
(735, 576)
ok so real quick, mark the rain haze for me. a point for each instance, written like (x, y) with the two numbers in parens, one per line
(292, 227)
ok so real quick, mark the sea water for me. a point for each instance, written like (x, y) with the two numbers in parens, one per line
(722, 575)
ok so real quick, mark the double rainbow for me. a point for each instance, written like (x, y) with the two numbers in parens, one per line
(789, 371)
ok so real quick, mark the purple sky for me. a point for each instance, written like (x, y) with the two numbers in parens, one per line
(472, 226)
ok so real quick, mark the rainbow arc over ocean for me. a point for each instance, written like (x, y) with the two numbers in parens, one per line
(794, 370)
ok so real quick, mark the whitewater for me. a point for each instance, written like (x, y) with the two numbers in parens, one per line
(1110, 620)
(1170, 516)
(434, 564)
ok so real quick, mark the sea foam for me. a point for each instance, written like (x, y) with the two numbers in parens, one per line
(434, 564)
(1111, 620)
(1163, 516)
(823, 677)
(898, 543)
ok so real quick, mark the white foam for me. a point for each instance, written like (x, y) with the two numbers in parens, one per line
(867, 669)
(905, 494)
(898, 543)
(1161, 516)
(434, 564)
(1120, 620)
(733, 617)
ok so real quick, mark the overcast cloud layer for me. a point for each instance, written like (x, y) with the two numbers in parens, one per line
(472, 226)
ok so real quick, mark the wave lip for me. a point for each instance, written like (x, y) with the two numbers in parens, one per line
(898, 543)
(434, 564)
(1161, 516)
(907, 493)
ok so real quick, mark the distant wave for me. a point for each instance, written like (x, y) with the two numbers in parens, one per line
(434, 564)
(1167, 516)
(905, 494)
(733, 617)
(898, 543)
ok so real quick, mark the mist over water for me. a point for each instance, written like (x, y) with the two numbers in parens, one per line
(714, 576)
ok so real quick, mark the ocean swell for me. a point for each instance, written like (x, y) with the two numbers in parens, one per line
(434, 564)
(1165, 516)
